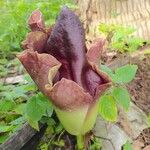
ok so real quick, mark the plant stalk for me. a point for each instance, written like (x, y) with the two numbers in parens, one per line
(80, 142)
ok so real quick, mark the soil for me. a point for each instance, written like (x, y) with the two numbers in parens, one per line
(143, 140)
(140, 90)
(140, 87)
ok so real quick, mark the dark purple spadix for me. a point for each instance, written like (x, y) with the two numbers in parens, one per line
(67, 44)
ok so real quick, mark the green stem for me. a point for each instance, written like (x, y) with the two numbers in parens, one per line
(80, 142)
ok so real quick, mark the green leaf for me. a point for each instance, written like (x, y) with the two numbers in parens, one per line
(46, 104)
(106, 69)
(49, 121)
(20, 109)
(126, 73)
(127, 146)
(3, 138)
(44, 146)
(6, 128)
(6, 105)
(34, 124)
(18, 121)
(148, 120)
(109, 72)
(35, 109)
(108, 108)
(134, 43)
(122, 96)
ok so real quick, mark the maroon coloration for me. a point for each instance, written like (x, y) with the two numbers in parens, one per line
(67, 44)
(36, 21)
(59, 63)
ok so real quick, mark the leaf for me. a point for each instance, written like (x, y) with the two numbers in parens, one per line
(59, 143)
(126, 73)
(134, 43)
(5, 128)
(49, 121)
(3, 61)
(20, 109)
(3, 138)
(35, 109)
(148, 120)
(44, 146)
(18, 121)
(122, 96)
(127, 146)
(6, 105)
(109, 72)
(118, 46)
(34, 124)
(106, 69)
(108, 108)
(46, 104)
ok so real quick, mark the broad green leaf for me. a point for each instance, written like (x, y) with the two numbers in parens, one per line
(109, 72)
(134, 43)
(108, 108)
(118, 46)
(126, 73)
(46, 104)
(106, 69)
(20, 109)
(35, 109)
(6, 105)
(5, 128)
(33, 123)
(127, 146)
(122, 96)
(30, 87)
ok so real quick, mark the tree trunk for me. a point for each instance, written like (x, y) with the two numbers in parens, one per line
(135, 13)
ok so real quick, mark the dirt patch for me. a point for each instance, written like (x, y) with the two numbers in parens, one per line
(143, 140)
(140, 86)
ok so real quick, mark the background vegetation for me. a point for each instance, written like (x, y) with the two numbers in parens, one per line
(22, 102)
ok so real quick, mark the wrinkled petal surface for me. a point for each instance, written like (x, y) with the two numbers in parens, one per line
(39, 67)
(67, 94)
(60, 64)
(67, 44)
(35, 41)
(94, 53)
(36, 21)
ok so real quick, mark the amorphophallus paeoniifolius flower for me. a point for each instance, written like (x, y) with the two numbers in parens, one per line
(64, 70)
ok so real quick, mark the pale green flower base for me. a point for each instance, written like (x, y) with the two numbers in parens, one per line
(80, 120)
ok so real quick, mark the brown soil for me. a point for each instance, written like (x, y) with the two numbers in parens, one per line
(143, 140)
(140, 91)
(140, 87)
